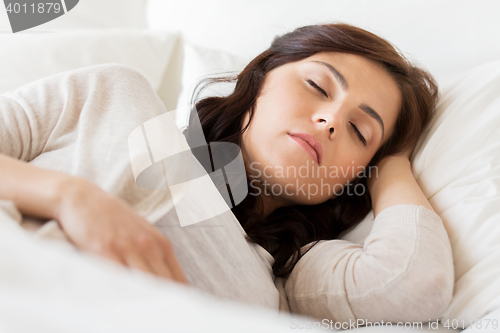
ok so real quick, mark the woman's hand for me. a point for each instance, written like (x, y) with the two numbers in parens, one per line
(393, 183)
(97, 222)
(92, 219)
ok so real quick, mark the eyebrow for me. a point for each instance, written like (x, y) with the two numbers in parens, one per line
(343, 84)
(368, 110)
(339, 77)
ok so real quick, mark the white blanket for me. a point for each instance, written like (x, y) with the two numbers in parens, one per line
(47, 286)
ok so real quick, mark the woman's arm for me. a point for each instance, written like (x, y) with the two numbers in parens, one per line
(73, 128)
(94, 220)
(402, 272)
(35, 192)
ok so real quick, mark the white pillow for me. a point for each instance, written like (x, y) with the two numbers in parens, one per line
(28, 57)
(457, 164)
(201, 63)
(92, 14)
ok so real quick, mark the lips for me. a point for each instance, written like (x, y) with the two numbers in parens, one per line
(309, 143)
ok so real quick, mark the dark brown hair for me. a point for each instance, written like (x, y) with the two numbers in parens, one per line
(289, 228)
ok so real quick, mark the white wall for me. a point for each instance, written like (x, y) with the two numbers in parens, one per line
(446, 36)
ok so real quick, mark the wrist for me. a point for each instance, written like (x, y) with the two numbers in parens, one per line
(395, 185)
(69, 192)
(389, 168)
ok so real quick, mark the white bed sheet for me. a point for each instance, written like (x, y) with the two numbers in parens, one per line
(46, 286)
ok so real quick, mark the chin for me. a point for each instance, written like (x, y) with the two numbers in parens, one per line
(308, 198)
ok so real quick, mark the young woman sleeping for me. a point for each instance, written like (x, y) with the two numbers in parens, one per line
(325, 97)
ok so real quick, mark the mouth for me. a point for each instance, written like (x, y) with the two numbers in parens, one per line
(310, 144)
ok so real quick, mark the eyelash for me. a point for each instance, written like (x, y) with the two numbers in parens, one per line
(360, 136)
(318, 88)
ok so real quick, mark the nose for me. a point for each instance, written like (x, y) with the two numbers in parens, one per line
(329, 121)
(331, 129)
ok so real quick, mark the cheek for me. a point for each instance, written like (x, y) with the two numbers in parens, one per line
(346, 166)
(356, 165)
(256, 148)
(283, 99)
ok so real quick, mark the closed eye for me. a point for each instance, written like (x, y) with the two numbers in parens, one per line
(318, 88)
(360, 136)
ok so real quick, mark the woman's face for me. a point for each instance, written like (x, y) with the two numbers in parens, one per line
(316, 125)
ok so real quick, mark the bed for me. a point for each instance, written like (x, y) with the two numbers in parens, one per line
(46, 286)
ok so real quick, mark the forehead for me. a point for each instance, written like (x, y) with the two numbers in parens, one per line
(368, 82)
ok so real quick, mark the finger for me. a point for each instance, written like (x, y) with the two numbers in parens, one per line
(104, 249)
(150, 249)
(133, 259)
(173, 263)
(114, 257)
(160, 266)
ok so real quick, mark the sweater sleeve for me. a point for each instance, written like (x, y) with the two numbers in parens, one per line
(39, 111)
(23, 132)
(79, 122)
(48, 114)
(403, 272)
